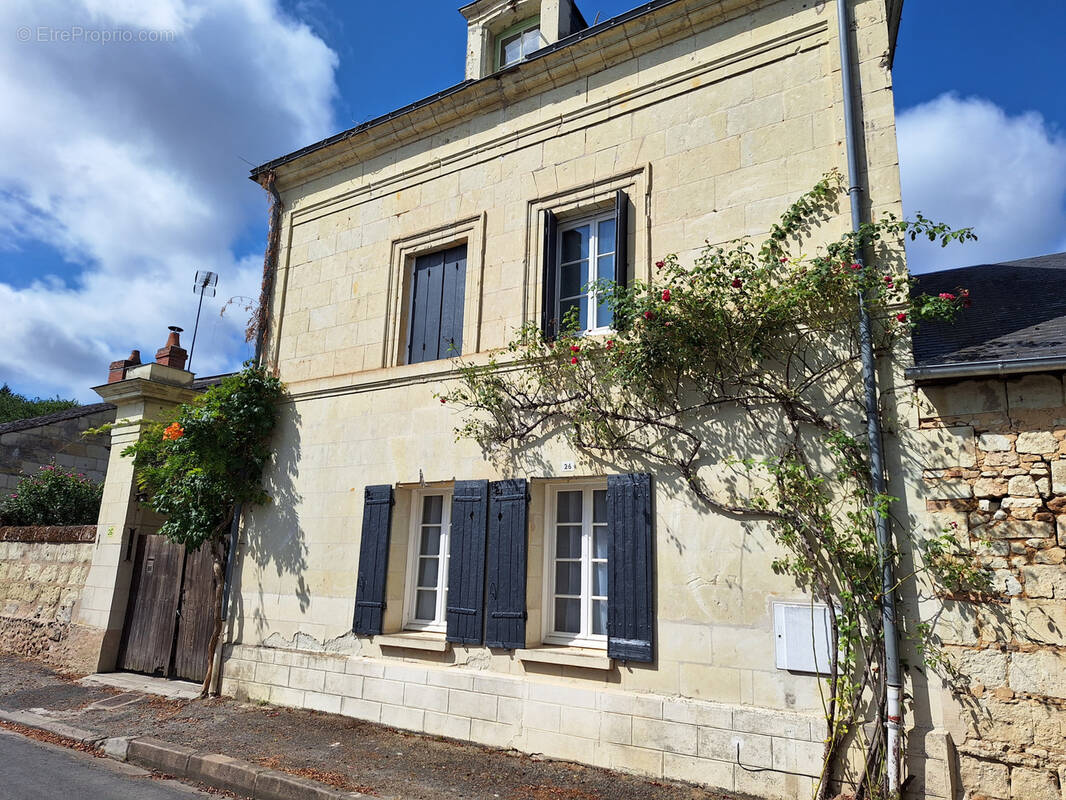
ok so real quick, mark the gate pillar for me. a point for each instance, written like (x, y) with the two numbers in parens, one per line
(141, 393)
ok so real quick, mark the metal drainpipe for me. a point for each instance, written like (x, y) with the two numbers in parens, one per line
(873, 430)
(269, 269)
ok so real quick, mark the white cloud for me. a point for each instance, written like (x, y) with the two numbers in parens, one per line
(131, 159)
(964, 161)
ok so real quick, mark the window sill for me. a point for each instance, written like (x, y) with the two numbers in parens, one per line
(583, 657)
(412, 640)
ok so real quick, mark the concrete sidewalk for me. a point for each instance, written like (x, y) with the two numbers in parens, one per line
(274, 753)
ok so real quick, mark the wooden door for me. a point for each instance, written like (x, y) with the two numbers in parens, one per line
(196, 616)
(151, 613)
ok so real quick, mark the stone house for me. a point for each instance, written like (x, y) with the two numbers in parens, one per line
(437, 230)
(990, 392)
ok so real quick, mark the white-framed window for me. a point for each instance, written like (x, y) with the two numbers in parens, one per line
(576, 565)
(586, 255)
(427, 561)
(517, 42)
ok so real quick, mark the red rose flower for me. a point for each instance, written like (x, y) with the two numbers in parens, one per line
(610, 342)
(443, 401)
(573, 360)
(901, 317)
(649, 315)
(575, 349)
(856, 266)
(784, 260)
(737, 283)
(947, 296)
(666, 295)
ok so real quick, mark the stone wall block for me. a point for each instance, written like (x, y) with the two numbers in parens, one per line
(993, 442)
(1037, 443)
(1022, 486)
(993, 778)
(1035, 391)
(990, 487)
(1045, 580)
(1041, 673)
(1058, 476)
(1033, 784)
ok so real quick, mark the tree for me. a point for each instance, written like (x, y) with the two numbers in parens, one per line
(198, 465)
(774, 336)
(16, 406)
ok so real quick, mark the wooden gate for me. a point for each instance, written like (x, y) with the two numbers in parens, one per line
(168, 617)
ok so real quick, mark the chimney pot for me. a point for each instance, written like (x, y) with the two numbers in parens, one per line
(172, 354)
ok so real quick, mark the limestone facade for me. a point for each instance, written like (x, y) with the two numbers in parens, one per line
(711, 117)
(1000, 485)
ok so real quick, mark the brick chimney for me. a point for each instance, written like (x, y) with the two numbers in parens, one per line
(117, 370)
(173, 354)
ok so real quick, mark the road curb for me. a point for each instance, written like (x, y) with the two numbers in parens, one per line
(214, 769)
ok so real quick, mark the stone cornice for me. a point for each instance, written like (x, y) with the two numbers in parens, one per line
(591, 51)
(132, 390)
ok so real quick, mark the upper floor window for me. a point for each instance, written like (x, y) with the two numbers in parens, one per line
(582, 258)
(517, 42)
(438, 295)
(586, 257)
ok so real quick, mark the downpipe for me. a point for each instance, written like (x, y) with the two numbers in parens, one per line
(894, 685)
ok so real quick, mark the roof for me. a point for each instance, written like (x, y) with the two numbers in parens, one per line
(566, 41)
(1018, 318)
(50, 419)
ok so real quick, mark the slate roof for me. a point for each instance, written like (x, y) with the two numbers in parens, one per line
(1018, 313)
(49, 419)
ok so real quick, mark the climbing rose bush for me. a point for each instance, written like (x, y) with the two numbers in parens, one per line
(52, 496)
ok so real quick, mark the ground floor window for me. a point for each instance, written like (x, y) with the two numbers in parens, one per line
(427, 574)
(576, 570)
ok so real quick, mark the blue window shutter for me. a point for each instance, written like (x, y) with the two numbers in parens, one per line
(466, 562)
(438, 291)
(621, 238)
(373, 560)
(453, 299)
(549, 323)
(630, 587)
(506, 598)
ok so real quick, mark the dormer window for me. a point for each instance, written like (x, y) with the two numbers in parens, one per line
(517, 42)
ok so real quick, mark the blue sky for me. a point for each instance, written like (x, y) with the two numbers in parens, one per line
(126, 164)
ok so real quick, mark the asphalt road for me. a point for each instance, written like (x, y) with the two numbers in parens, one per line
(31, 770)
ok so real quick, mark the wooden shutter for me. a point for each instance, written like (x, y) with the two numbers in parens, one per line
(438, 293)
(453, 300)
(466, 562)
(506, 601)
(373, 560)
(631, 599)
(621, 238)
(549, 322)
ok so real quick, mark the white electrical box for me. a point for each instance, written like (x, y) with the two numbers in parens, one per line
(802, 634)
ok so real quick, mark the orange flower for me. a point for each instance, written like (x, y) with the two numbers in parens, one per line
(173, 431)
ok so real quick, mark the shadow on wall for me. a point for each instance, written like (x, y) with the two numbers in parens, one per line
(280, 544)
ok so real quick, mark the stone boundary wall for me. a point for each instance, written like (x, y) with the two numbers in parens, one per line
(28, 445)
(1000, 485)
(651, 734)
(42, 572)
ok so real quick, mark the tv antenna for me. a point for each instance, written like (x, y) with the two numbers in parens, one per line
(204, 283)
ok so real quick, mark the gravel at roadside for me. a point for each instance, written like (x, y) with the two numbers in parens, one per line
(342, 752)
